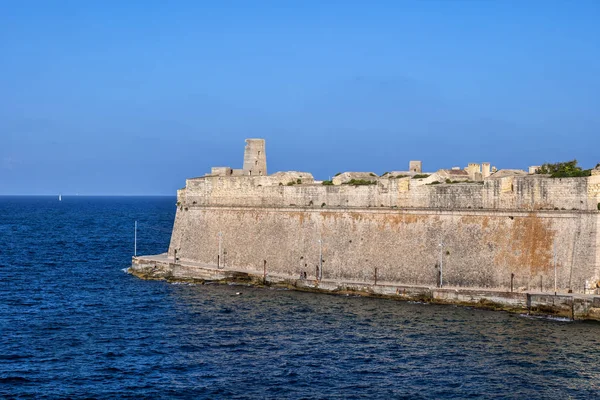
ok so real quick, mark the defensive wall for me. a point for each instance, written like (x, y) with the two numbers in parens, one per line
(469, 235)
(502, 229)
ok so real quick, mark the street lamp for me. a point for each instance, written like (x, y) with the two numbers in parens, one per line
(219, 256)
(320, 259)
(441, 264)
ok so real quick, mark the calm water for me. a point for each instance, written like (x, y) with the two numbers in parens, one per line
(73, 324)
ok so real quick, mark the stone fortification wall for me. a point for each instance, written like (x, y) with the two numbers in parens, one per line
(510, 224)
(527, 192)
(481, 248)
(540, 192)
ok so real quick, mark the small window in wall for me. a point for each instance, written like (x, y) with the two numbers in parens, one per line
(260, 172)
(256, 162)
(259, 152)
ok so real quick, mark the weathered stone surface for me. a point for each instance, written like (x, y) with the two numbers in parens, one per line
(511, 224)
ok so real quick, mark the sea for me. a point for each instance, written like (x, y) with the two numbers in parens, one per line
(74, 324)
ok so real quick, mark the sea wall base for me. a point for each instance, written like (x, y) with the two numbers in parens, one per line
(576, 307)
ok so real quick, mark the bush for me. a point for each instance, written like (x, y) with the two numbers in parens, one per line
(323, 205)
(327, 183)
(420, 176)
(434, 183)
(400, 176)
(339, 173)
(372, 174)
(358, 182)
(385, 173)
(568, 169)
(598, 206)
(290, 183)
(298, 181)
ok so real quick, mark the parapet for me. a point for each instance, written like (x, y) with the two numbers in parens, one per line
(504, 189)
(534, 169)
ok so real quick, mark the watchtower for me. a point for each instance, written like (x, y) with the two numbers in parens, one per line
(255, 159)
(415, 166)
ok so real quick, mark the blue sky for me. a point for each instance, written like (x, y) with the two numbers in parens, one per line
(132, 97)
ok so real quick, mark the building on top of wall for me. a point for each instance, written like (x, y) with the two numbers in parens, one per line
(348, 176)
(255, 161)
(414, 168)
(255, 158)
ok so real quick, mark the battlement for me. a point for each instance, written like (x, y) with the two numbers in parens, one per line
(478, 186)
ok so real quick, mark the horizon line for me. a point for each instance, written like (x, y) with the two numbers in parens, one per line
(88, 195)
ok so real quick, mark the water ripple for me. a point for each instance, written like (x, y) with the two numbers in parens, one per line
(74, 326)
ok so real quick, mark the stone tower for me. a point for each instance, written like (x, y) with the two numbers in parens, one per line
(255, 159)
(415, 166)
(485, 169)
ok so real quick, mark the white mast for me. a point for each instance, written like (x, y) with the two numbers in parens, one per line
(135, 240)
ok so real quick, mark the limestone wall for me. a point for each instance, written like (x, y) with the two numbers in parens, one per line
(508, 224)
(528, 192)
(481, 247)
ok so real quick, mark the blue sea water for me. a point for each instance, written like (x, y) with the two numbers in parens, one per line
(74, 325)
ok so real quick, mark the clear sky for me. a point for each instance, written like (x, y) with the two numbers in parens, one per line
(132, 97)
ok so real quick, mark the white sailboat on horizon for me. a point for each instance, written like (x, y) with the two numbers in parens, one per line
(59, 197)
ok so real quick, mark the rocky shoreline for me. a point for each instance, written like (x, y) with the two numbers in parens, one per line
(571, 306)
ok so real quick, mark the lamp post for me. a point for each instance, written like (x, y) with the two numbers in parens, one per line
(320, 259)
(135, 240)
(219, 256)
(441, 264)
(554, 251)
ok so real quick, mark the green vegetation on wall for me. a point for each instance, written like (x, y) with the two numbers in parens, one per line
(568, 169)
(327, 183)
(420, 176)
(358, 182)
